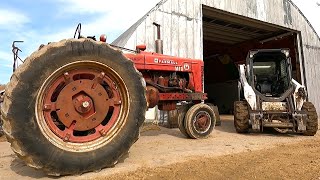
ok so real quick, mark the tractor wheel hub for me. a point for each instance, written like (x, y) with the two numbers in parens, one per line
(82, 103)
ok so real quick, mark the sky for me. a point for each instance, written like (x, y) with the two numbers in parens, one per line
(41, 21)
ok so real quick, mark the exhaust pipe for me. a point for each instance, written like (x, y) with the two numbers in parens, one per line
(158, 42)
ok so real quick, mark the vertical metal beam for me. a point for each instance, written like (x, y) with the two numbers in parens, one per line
(302, 61)
(201, 42)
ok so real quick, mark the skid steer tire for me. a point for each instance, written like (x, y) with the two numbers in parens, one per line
(241, 117)
(312, 121)
(28, 131)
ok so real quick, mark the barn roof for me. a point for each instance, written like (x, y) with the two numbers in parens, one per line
(124, 37)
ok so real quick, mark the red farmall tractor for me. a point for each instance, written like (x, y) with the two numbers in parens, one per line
(77, 105)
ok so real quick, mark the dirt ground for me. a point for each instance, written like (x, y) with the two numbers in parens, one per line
(294, 161)
(2, 139)
(162, 153)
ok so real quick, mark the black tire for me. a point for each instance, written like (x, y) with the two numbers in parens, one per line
(1, 130)
(192, 115)
(21, 125)
(241, 117)
(216, 113)
(182, 110)
(1, 122)
(312, 121)
(173, 119)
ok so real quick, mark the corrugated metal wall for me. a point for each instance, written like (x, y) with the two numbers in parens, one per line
(181, 29)
(181, 22)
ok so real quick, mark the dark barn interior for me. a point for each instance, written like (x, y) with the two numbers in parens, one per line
(227, 38)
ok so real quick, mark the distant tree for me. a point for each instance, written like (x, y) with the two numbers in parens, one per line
(318, 3)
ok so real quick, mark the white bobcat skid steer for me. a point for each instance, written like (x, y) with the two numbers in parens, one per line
(269, 97)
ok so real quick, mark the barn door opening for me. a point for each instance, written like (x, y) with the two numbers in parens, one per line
(227, 38)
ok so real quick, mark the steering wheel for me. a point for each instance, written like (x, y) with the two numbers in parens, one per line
(78, 30)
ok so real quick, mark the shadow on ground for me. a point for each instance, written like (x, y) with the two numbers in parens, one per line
(226, 126)
(19, 167)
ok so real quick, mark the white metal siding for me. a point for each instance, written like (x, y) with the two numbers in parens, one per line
(181, 29)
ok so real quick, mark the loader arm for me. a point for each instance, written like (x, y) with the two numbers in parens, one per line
(248, 91)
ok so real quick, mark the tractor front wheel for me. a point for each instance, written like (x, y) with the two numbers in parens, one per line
(74, 106)
(199, 121)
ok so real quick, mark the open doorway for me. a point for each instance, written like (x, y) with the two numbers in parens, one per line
(227, 38)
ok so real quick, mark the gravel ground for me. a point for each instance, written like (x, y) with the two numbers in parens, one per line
(292, 161)
(165, 153)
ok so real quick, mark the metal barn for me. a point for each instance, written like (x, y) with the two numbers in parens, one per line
(221, 32)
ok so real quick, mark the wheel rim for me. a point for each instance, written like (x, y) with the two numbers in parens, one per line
(82, 106)
(202, 122)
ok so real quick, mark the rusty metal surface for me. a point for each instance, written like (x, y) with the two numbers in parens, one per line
(162, 81)
(182, 96)
(167, 105)
(202, 121)
(71, 100)
(152, 94)
(170, 119)
(81, 100)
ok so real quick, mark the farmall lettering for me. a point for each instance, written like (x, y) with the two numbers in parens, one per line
(165, 61)
(184, 67)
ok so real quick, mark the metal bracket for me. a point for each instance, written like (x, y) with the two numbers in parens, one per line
(301, 121)
(256, 121)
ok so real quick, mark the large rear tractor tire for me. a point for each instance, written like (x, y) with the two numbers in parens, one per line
(1, 122)
(74, 106)
(241, 117)
(312, 121)
(199, 121)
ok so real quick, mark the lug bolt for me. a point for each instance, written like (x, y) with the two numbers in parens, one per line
(67, 137)
(102, 132)
(47, 107)
(85, 104)
(117, 102)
